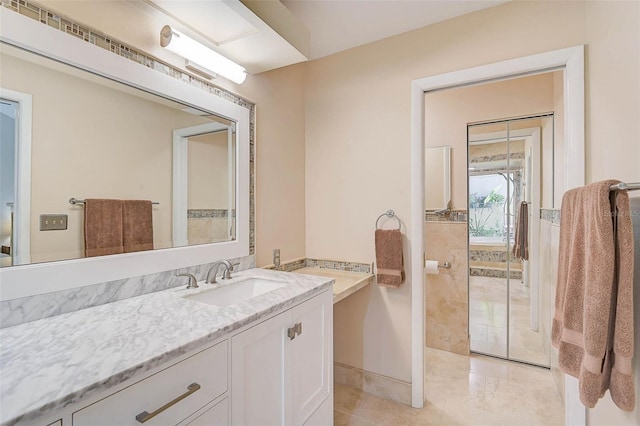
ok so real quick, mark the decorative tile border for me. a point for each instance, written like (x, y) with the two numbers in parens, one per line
(209, 213)
(490, 256)
(495, 273)
(106, 42)
(550, 215)
(498, 157)
(453, 216)
(339, 265)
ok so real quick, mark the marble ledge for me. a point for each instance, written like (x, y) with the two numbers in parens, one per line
(346, 282)
(54, 362)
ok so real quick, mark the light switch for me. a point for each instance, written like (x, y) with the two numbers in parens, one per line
(53, 222)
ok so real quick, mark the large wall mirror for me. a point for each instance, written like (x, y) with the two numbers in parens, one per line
(93, 138)
(109, 128)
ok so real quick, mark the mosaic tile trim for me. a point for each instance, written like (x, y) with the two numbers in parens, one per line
(323, 263)
(491, 256)
(103, 41)
(209, 213)
(550, 215)
(499, 157)
(454, 216)
(494, 273)
(340, 265)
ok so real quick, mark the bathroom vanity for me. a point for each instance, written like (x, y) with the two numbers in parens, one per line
(169, 358)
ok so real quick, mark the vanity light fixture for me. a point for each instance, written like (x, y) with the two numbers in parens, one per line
(196, 52)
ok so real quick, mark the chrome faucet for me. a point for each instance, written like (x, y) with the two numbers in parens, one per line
(193, 281)
(228, 269)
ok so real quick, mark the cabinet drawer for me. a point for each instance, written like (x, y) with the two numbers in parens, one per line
(207, 369)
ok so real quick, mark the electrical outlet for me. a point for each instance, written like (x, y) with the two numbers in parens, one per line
(53, 222)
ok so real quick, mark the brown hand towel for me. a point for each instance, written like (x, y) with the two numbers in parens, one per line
(587, 293)
(521, 241)
(137, 225)
(389, 257)
(102, 227)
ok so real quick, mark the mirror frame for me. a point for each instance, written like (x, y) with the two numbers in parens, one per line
(28, 280)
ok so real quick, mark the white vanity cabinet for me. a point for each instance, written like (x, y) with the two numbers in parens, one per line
(281, 369)
(276, 371)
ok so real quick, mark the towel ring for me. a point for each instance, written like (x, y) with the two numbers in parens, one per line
(390, 214)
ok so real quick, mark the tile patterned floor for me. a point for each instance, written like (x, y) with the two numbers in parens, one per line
(462, 390)
(488, 320)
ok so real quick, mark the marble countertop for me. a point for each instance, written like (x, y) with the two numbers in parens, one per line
(346, 282)
(51, 363)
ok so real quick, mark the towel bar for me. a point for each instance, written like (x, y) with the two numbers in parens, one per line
(390, 214)
(75, 201)
(625, 186)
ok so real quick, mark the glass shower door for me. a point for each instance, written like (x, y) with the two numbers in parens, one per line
(504, 183)
(488, 243)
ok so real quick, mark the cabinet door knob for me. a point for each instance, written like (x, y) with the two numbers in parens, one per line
(291, 333)
(294, 331)
(144, 416)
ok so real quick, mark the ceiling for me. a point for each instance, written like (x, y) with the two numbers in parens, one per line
(337, 25)
(262, 35)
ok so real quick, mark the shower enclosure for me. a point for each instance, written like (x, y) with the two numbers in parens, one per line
(504, 180)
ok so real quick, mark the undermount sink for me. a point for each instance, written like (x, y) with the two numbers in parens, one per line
(233, 293)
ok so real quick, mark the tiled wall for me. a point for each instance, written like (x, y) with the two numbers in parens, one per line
(447, 294)
(209, 226)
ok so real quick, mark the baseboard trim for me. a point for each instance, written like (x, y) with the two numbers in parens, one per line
(373, 383)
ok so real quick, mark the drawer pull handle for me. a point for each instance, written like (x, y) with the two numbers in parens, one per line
(144, 416)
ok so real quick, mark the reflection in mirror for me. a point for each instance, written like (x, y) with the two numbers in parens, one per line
(204, 154)
(93, 138)
(506, 305)
(437, 178)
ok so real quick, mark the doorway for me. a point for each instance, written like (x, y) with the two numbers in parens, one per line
(571, 62)
(504, 199)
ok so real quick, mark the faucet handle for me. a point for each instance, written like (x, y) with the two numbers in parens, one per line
(193, 281)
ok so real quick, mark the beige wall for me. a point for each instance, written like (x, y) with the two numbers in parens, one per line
(280, 162)
(358, 147)
(448, 112)
(358, 133)
(208, 174)
(354, 112)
